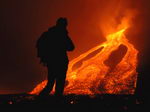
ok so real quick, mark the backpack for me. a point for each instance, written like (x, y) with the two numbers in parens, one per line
(41, 46)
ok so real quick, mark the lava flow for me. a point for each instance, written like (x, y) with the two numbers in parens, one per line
(94, 76)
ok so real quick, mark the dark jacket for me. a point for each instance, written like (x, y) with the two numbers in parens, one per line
(55, 44)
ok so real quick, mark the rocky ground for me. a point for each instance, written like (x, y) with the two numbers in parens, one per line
(76, 103)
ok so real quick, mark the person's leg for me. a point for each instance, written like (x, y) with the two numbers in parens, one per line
(60, 83)
(51, 79)
(60, 80)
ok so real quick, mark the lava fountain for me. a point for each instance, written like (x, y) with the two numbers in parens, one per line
(94, 76)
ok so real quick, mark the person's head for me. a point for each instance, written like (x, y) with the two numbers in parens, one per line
(62, 22)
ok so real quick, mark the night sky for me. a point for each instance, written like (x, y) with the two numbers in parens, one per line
(23, 21)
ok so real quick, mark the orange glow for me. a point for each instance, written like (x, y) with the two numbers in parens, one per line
(95, 77)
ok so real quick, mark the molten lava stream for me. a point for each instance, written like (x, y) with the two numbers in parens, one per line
(95, 77)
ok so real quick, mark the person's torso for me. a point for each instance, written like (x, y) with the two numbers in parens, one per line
(56, 45)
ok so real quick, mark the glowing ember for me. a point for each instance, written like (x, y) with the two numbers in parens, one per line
(95, 77)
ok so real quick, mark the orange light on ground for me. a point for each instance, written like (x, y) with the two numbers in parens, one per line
(95, 77)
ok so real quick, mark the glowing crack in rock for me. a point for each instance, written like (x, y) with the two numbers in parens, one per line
(95, 77)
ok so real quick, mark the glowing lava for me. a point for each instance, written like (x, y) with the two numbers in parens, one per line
(93, 76)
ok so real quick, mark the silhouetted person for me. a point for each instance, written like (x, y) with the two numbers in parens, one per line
(52, 50)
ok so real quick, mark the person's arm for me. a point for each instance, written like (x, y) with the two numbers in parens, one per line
(69, 44)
